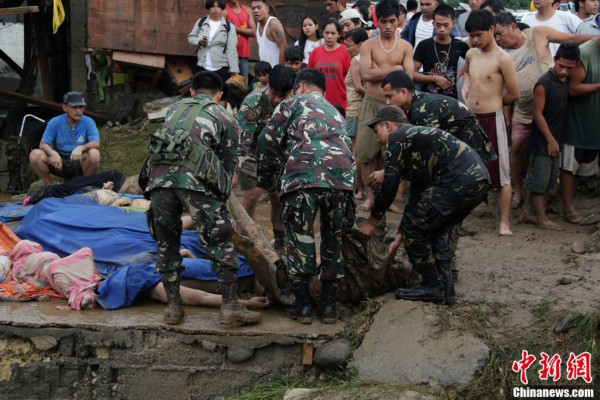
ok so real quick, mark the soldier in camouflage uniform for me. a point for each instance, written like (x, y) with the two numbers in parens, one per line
(447, 180)
(305, 150)
(179, 180)
(255, 112)
(442, 112)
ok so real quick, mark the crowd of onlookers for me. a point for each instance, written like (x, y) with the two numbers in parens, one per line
(439, 42)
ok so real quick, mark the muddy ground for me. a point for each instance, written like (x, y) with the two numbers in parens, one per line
(512, 292)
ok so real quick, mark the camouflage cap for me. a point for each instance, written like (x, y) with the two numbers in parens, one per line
(388, 113)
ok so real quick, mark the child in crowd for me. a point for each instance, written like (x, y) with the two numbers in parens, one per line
(439, 55)
(310, 38)
(293, 58)
(551, 96)
(261, 75)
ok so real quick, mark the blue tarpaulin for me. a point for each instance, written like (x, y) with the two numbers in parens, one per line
(123, 249)
(13, 211)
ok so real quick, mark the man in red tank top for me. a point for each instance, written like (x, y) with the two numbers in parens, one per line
(239, 15)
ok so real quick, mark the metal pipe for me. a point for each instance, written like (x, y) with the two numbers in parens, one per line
(23, 124)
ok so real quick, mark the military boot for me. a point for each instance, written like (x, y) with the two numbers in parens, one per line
(279, 242)
(174, 312)
(232, 311)
(431, 288)
(302, 308)
(327, 311)
(444, 269)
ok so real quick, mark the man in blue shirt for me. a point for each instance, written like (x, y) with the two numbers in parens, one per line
(70, 145)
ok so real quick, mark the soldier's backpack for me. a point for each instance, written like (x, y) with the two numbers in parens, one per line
(171, 146)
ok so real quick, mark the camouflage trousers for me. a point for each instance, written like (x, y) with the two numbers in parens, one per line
(430, 217)
(212, 220)
(298, 212)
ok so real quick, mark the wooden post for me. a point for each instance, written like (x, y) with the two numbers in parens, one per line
(307, 354)
(40, 36)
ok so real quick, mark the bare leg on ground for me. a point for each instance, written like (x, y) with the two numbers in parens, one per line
(504, 197)
(195, 297)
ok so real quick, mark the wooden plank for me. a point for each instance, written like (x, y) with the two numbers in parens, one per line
(162, 26)
(146, 60)
(15, 67)
(48, 104)
(307, 354)
(19, 10)
(40, 41)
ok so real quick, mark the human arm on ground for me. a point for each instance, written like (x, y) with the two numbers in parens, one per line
(539, 102)
(576, 85)
(511, 84)
(356, 78)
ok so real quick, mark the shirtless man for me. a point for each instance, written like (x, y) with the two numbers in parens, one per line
(530, 52)
(490, 84)
(271, 44)
(378, 57)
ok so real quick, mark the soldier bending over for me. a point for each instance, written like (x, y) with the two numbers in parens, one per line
(447, 180)
(306, 138)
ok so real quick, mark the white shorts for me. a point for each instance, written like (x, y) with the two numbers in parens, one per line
(581, 162)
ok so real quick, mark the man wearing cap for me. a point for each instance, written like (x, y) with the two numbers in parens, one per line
(70, 145)
(351, 19)
(447, 180)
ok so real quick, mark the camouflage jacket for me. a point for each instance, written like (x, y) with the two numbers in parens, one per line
(252, 117)
(306, 139)
(426, 157)
(452, 116)
(217, 130)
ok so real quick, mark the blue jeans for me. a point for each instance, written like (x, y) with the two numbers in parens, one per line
(244, 68)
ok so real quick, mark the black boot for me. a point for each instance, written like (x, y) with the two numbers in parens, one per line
(431, 288)
(327, 307)
(302, 309)
(174, 312)
(445, 271)
(231, 310)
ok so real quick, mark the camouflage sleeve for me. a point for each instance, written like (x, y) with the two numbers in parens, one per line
(393, 170)
(247, 119)
(431, 118)
(220, 131)
(228, 147)
(270, 145)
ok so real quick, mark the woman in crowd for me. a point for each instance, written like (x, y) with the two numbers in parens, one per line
(333, 60)
(216, 39)
(310, 38)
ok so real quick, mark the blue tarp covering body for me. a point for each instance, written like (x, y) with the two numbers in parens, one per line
(123, 249)
(13, 211)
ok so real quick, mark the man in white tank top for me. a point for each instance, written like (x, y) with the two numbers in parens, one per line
(531, 55)
(269, 34)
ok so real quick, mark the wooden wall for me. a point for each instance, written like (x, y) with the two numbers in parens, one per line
(162, 26)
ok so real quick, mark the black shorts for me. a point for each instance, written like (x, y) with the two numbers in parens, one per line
(70, 169)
